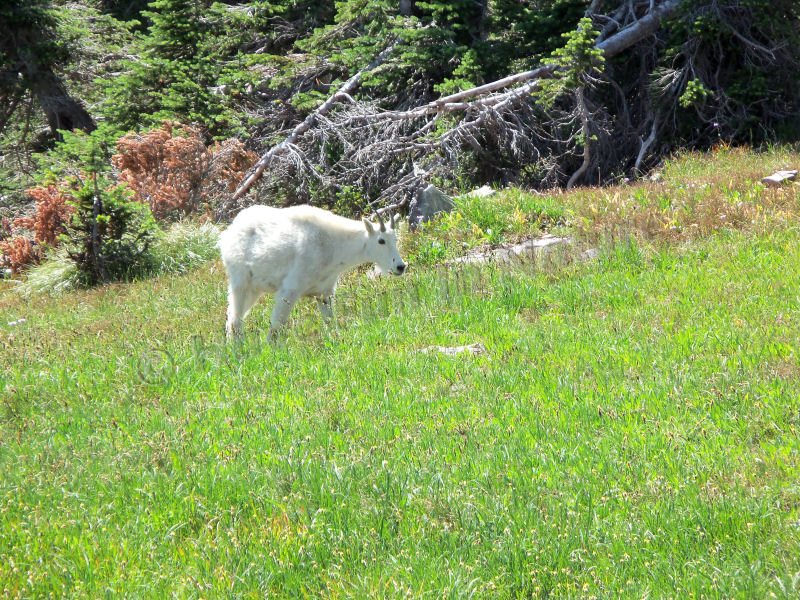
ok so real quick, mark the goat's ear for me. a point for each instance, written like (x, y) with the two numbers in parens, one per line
(370, 227)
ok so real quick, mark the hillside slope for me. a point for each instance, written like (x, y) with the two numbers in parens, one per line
(631, 429)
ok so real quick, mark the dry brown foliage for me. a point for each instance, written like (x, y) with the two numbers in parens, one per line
(46, 223)
(172, 170)
(164, 168)
(18, 252)
(230, 161)
(51, 216)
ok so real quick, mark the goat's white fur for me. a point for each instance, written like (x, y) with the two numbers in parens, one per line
(295, 252)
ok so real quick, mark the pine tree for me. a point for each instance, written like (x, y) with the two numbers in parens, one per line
(30, 54)
(182, 57)
(446, 44)
(109, 234)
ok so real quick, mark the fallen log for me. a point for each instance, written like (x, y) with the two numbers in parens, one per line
(343, 92)
(460, 101)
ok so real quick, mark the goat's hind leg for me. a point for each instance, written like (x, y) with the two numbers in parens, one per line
(285, 299)
(241, 299)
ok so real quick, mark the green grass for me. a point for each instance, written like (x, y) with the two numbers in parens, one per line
(177, 249)
(504, 217)
(631, 432)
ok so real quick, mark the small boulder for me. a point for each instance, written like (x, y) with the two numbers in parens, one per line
(526, 250)
(482, 192)
(471, 349)
(428, 203)
(590, 254)
(776, 179)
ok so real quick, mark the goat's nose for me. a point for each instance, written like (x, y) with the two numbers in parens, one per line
(401, 267)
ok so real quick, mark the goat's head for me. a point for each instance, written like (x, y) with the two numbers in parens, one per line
(382, 243)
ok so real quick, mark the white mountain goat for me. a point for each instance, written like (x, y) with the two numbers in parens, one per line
(295, 252)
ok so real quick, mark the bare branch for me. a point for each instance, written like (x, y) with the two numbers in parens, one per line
(587, 155)
(349, 86)
(646, 144)
(377, 150)
(644, 27)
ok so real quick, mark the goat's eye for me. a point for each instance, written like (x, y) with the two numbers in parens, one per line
(381, 241)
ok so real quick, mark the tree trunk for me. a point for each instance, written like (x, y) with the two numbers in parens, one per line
(477, 24)
(644, 27)
(61, 109)
(586, 134)
(28, 59)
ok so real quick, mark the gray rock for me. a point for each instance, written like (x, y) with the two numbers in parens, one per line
(471, 349)
(524, 250)
(590, 254)
(776, 179)
(482, 192)
(428, 203)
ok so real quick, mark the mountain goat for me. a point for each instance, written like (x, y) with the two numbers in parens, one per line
(295, 252)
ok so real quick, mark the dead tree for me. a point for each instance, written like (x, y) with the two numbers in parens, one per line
(567, 140)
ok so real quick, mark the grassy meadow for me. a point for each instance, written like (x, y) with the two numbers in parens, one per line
(630, 432)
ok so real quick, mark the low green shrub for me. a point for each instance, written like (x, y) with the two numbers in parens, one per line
(179, 249)
(184, 246)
